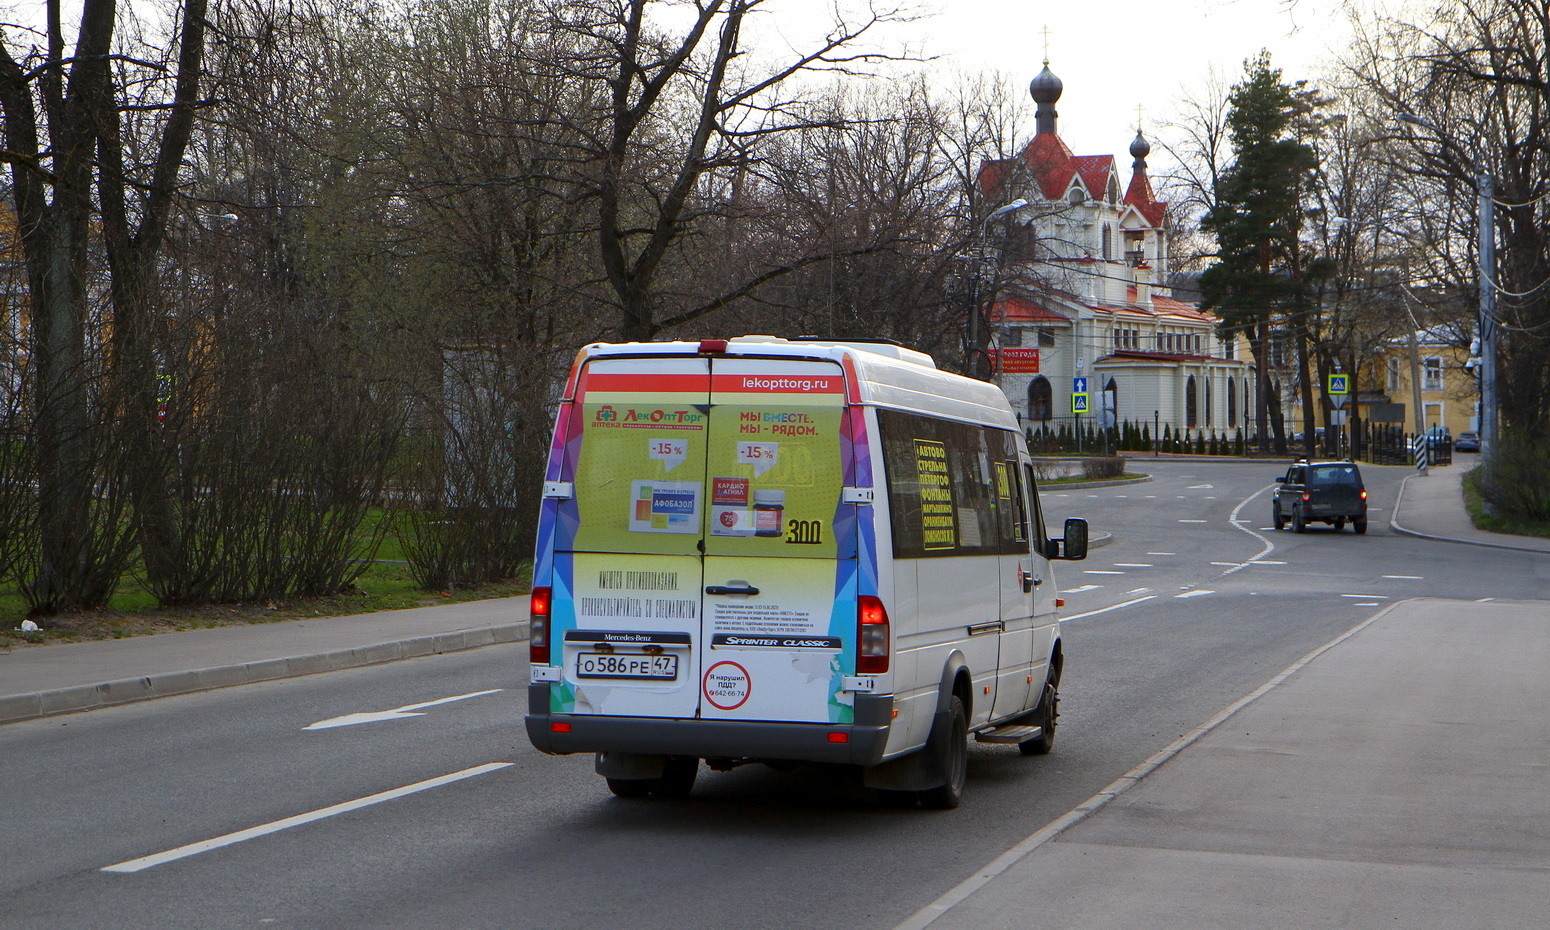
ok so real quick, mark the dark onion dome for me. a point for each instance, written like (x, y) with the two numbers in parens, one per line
(1046, 88)
(1139, 149)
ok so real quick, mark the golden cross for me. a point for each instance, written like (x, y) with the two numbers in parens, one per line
(1140, 115)
(1045, 30)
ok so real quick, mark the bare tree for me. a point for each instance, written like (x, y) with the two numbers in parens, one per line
(681, 107)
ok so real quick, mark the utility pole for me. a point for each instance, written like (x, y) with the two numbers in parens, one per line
(1487, 330)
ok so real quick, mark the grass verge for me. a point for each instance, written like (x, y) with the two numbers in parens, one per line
(132, 612)
(1500, 523)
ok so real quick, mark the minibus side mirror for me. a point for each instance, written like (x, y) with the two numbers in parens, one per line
(1074, 546)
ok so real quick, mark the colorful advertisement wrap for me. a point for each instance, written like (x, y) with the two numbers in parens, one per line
(640, 474)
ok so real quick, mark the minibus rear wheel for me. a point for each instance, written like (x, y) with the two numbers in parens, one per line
(678, 774)
(949, 747)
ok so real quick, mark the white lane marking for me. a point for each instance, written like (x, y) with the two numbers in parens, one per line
(194, 849)
(1264, 562)
(1099, 571)
(1151, 497)
(1271, 528)
(350, 720)
(1137, 591)
(1366, 597)
(1162, 553)
(1198, 487)
(1132, 565)
(1367, 604)
(1104, 610)
(1195, 593)
(1233, 519)
(1405, 577)
(1085, 587)
(1194, 521)
(1484, 600)
(1227, 564)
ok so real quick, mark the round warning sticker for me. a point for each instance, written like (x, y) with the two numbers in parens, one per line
(727, 685)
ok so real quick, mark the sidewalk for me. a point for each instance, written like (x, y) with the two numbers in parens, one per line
(44, 680)
(1396, 781)
(1432, 507)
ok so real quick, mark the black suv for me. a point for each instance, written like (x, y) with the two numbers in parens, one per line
(1324, 491)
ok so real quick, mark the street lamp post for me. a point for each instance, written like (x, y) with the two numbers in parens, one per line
(1485, 326)
(974, 349)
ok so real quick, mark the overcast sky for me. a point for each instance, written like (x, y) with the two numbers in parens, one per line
(1112, 55)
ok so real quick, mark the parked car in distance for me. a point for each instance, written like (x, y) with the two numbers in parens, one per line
(1467, 442)
(1323, 491)
(1439, 434)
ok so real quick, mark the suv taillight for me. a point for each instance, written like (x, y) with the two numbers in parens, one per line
(1306, 497)
(538, 630)
(871, 636)
(1364, 493)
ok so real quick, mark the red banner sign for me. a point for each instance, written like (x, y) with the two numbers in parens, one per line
(1015, 361)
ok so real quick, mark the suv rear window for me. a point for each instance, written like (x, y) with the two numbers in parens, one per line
(1334, 475)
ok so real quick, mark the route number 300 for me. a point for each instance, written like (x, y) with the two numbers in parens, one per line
(804, 532)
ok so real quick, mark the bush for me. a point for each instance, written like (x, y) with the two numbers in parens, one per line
(1519, 484)
(1103, 467)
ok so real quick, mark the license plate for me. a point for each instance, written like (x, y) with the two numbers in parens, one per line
(625, 665)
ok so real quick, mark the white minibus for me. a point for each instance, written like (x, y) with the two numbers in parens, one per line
(772, 550)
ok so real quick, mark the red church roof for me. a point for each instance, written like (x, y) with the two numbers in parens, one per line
(1052, 166)
(1014, 309)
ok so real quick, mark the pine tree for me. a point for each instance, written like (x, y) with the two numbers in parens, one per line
(1262, 277)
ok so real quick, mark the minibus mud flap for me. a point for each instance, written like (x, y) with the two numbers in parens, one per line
(917, 771)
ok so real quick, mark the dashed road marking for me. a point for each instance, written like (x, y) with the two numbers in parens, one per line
(1099, 571)
(1227, 564)
(1366, 597)
(1162, 553)
(1104, 610)
(1132, 565)
(194, 849)
(1405, 577)
(1264, 562)
(1085, 587)
(1194, 521)
(1195, 593)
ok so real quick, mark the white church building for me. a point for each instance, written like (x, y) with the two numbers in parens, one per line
(1082, 295)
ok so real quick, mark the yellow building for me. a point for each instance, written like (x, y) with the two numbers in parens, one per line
(1450, 390)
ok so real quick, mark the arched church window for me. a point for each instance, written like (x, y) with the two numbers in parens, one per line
(1041, 406)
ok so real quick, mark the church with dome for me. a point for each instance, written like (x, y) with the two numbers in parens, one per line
(1082, 293)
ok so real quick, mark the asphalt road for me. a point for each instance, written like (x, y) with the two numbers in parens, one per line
(1184, 613)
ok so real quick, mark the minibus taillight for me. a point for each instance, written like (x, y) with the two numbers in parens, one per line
(538, 631)
(872, 636)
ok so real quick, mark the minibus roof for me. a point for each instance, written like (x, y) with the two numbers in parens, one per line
(886, 374)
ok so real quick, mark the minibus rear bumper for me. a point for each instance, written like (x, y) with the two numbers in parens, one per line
(859, 743)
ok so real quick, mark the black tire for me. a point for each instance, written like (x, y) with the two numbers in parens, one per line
(949, 748)
(1280, 521)
(1045, 716)
(631, 787)
(1359, 524)
(1298, 523)
(1340, 523)
(678, 775)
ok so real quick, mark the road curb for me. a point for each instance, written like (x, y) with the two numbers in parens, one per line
(1105, 483)
(14, 708)
(1395, 526)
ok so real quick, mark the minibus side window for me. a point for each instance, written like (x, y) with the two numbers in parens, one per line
(1039, 536)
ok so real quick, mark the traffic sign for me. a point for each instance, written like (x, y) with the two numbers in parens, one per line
(1337, 418)
(1339, 384)
(1079, 385)
(1079, 401)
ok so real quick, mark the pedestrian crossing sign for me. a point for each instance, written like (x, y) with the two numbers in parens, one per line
(1339, 384)
(1078, 403)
